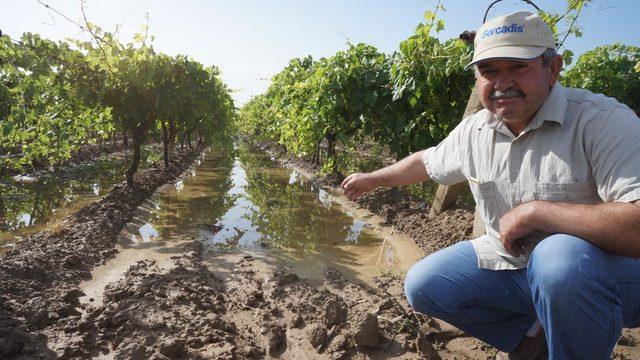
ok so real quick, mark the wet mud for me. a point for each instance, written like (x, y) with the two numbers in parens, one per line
(251, 312)
(39, 276)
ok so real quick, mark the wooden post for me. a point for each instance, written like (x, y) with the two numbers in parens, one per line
(446, 195)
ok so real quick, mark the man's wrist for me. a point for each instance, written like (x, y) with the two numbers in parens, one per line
(535, 216)
(376, 179)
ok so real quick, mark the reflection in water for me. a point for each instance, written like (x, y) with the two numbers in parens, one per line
(240, 199)
(23, 219)
(27, 204)
(96, 189)
(324, 198)
(354, 231)
(148, 233)
(179, 185)
(293, 178)
(236, 228)
(279, 208)
(24, 178)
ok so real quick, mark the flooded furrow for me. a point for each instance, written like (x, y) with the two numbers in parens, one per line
(32, 204)
(239, 201)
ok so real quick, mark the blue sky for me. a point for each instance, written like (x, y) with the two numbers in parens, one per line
(251, 40)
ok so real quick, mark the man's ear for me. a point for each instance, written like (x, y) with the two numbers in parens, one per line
(554, 69)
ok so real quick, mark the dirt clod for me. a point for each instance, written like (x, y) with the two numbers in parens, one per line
(366, 331)
(317, 335)
(276, 339)
(334, 312)
(173, 348)
(13, 338)
(426, 349)
(338, 346)
(131, 350)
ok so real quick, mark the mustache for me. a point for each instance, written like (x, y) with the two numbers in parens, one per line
(510, 92)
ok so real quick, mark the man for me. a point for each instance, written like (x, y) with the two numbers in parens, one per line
(555, 173)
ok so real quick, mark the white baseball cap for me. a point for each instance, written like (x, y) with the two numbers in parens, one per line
(519, 35)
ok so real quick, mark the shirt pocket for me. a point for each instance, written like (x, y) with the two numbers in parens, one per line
(485, 195)
(568, 192)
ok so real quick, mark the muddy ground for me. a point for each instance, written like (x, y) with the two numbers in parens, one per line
(219, 305)
(39, 277)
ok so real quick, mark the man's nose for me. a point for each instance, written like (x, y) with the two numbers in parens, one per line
(503, 81)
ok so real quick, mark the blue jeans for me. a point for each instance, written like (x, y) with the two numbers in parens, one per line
(582, 295)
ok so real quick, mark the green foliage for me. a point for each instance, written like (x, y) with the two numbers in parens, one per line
(47, 106)
(430, 90)
(312, 106)
(571, 16)
(406, 101)
(55, 97)
(613, 70)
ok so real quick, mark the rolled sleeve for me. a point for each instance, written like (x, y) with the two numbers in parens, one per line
(444, 162)
(613, 151)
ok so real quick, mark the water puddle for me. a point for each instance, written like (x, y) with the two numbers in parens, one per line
(242, 201)
(30, 204)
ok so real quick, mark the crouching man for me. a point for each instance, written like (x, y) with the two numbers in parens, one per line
(555, 173)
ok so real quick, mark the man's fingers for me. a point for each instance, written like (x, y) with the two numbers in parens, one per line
(511, 246)
(345, 182)
(348, 182)
(507, 243)
(348, 187)
(348, 194)
(353, 195)
(355, 185)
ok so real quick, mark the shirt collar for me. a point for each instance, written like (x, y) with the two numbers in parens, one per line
(553, 109)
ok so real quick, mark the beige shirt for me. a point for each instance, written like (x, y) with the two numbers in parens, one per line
(579, 148)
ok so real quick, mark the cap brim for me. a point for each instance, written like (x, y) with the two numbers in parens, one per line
(508, 52)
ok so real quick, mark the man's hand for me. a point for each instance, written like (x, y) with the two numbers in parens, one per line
(409, 170)
(611, 226)
(357, 184)
(514, 225)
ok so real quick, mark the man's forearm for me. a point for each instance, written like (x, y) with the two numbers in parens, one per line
(409, 170)
(614, 227)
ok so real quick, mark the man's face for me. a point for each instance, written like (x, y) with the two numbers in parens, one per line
(515, 89)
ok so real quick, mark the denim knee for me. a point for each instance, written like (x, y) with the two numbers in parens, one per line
(557, 264)
(417, 283)
(429, 286)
